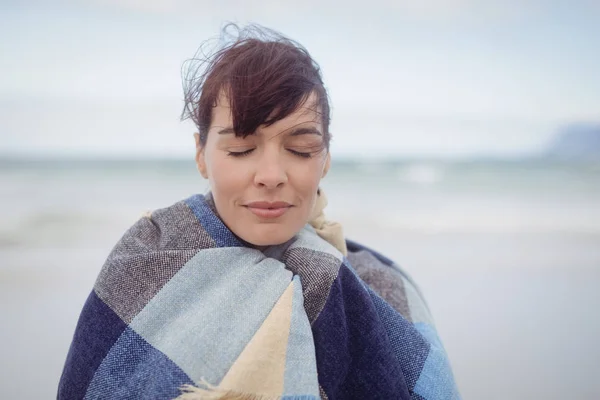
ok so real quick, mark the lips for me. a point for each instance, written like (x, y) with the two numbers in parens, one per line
(265, 209)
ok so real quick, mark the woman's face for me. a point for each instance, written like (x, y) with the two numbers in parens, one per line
(265, 185)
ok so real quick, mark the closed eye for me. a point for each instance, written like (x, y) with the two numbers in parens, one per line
(300, 153)
(247, 152)
(239, 153)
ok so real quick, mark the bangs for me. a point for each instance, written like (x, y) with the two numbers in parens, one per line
(264, 76)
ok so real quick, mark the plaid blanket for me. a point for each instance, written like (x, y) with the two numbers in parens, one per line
(183, 308)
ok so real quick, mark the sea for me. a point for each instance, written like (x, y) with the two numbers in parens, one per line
(506, 251)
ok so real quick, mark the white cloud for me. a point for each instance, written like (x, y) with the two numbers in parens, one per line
(417, 9)
(122, 61)
(244, 10)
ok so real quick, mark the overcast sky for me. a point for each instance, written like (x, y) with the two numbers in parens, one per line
(428, 77)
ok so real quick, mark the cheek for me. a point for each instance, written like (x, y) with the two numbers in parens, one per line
(225, 176)
(308, 177)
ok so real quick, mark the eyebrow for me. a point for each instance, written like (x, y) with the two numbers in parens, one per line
(295, 132)
(305, 131)
(226, 131)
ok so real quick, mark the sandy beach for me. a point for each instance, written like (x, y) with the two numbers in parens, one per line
(515, 302)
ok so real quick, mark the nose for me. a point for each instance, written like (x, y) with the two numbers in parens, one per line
(270, 171)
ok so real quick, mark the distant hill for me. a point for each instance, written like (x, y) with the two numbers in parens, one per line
(576, 142)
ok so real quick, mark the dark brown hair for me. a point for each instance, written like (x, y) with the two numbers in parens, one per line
(264, 75)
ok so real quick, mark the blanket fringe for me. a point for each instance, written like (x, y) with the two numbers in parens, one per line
(211, 392)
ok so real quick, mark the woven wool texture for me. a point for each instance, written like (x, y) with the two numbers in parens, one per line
(183, 308)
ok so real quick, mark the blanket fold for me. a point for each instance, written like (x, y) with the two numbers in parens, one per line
(182, 308)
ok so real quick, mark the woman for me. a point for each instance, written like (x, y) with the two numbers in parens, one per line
(248, 292)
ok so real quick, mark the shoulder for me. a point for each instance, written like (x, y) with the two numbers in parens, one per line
(150, 253)
(389, 281)
(172, 233)
(175, 227)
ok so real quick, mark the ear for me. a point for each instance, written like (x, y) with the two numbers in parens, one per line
(327, 165)
(200, 160)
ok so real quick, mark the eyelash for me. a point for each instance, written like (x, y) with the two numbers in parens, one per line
(239, 153)
(300, 154)
(245, 153)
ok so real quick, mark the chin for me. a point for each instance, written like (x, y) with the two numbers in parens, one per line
(269, 236)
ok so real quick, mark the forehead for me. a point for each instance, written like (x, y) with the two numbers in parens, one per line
(307, 112)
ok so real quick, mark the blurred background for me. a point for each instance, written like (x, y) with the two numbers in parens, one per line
(466, 147)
